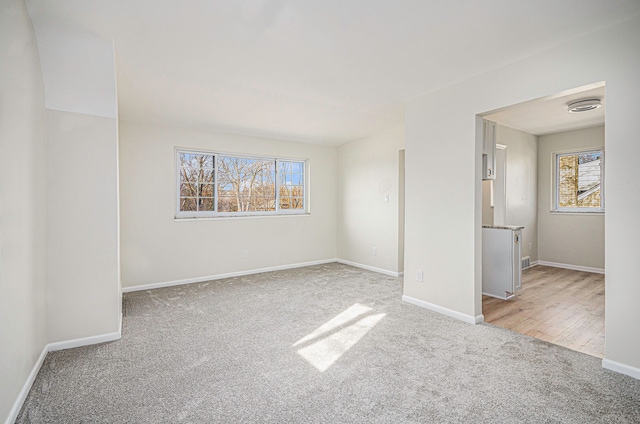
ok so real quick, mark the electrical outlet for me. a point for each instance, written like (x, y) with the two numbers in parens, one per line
(529, 246)
(386, 198)
(374, 251)
(419, 276)
(245, 254)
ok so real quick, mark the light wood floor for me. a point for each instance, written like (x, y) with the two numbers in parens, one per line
(557, 305)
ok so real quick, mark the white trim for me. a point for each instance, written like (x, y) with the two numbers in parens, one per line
(500, 297)
(369, 268)
(224, 217)
(582, 213)
(52, 347)
(531, 265)
(573, 267)
(221, 276)
(84, 341)
(478, 319)
(555, 177)
(621, 368)
(22, 396)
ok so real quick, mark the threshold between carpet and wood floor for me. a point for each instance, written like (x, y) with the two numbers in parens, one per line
(327, 343)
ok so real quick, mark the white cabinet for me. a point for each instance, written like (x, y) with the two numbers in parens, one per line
(501, 265)
(488, 150)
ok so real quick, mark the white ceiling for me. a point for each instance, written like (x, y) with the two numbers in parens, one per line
(549, 115)
(313, 71)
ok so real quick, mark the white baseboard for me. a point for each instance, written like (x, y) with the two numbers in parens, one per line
(22, 396)
(52, 347)
(370, 268)
(621, 368)
(531, 265)
(221, 276)
(84, 341)
(444, 311)
(573, 267)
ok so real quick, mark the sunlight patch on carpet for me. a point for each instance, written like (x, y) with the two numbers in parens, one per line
(327, 350)
(342, 318)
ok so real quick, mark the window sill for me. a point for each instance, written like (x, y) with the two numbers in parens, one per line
(576, 213)
(224, 218)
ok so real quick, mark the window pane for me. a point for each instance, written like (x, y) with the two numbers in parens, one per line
(188, 204)
(206, 175)
(196, 160)
(248, 181)
(206, 190)
(285, 191)
(226, 204)
(205, 204)
(188, 174)
(197, 176)
(297, 203)
(579, 180)
(186, 158)
(291, 178)
(187, 189)
(263, 204)
(285, 167)
(285, 203)
(296, 179)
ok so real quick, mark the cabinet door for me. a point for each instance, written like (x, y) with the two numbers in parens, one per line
(488, 150)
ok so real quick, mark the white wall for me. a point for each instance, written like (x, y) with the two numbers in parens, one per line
(570, 239)
(368, 170)
(156, 248)
(77, 67)
(82, 229)
(444, 238)
(522, 185)
(22, 203)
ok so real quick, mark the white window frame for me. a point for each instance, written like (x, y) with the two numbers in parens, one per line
(555, 171)
(215, 214)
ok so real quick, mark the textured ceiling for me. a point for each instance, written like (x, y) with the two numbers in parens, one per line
(312, 71)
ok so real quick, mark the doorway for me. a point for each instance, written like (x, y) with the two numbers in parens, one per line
(562, 296)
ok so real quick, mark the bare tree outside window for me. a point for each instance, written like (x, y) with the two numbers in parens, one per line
(196, 182)
(224, 185)
(291, 185)
(246, 185)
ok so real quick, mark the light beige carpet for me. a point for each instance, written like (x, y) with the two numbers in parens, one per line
(328, 343)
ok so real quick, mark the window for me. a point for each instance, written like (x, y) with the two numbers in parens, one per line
(212, 184)
(579, 181)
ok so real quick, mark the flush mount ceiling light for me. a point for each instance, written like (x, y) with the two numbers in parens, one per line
(584, 105)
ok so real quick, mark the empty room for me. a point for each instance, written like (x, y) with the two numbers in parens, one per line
(273, 210)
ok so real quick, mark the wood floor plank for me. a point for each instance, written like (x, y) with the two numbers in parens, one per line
(557, 305)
